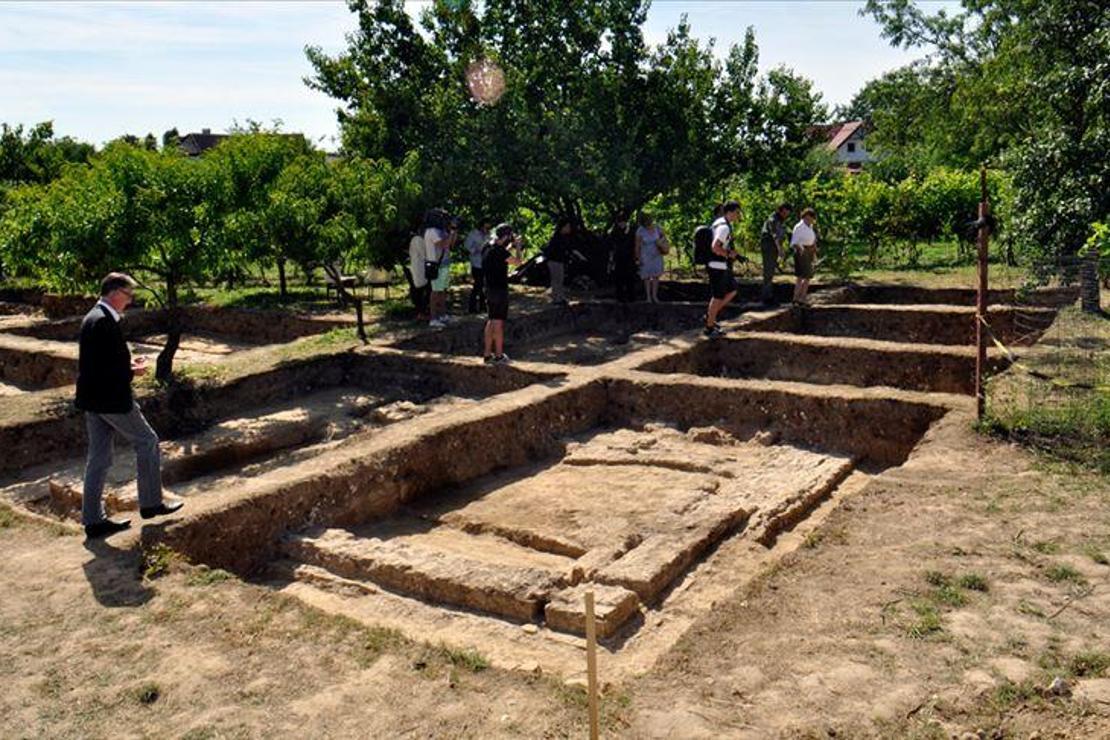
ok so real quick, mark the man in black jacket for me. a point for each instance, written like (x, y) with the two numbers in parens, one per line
(104, 373)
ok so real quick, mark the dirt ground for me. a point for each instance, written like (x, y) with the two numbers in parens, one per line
(941, 600)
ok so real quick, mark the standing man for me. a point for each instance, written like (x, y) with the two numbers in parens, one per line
(104, 373)
(495, 262)
(556, 253)
(623, 244)
(772, 243)
(722, 284)
(804, 241)
(475, 242)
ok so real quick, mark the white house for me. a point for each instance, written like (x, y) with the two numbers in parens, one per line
(846, 141)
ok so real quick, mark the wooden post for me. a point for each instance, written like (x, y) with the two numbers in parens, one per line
(591, 665)
(981, 299)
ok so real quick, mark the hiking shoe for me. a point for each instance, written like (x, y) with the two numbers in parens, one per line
(712, 332)
(501, 359)
(489, 359)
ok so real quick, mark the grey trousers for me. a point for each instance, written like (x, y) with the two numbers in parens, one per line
(135, 429)
(557, 272)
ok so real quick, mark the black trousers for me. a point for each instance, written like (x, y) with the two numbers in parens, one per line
(625, 281)
(477, 290)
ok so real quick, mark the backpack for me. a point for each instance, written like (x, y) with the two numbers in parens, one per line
(703, 243)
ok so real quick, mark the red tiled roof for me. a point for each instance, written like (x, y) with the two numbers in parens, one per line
(843, 135)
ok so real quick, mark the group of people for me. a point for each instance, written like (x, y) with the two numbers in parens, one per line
(772, 247)
(636, 256)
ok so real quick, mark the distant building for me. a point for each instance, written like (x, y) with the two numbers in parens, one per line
(196, 144)
(845, 140)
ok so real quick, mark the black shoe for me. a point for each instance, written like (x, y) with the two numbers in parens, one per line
(160, 510)
(105, 527)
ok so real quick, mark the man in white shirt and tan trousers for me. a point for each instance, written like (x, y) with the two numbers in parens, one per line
(803, 240)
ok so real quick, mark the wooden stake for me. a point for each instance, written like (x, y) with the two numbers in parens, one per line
(591, 665)
(981, 298)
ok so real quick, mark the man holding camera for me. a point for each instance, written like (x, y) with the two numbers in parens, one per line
(496, 258)
(440, 234)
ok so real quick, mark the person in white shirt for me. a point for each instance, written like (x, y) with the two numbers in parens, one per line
(803, 240)
(721, 282)
(474, 243)
(437, 243)
(420, 288)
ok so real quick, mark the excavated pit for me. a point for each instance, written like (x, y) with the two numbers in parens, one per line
(831, 361)
(476, 505)
(578, 334)
(38, 353)
(909, 324)
(213, 439)
(509, 508)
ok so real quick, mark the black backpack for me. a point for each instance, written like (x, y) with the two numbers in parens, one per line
(703, 243)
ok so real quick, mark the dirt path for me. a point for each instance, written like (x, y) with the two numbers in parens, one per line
(847, 636)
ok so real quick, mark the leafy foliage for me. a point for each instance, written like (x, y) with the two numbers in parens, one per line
(592, 119)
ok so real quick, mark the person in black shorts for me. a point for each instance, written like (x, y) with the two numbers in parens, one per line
(722, 284)
(496, 258)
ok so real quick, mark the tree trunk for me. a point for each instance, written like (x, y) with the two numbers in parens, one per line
(281, 278)
(163, 367)
(1088, 282)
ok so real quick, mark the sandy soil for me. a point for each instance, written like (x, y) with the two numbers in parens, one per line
(846, 636)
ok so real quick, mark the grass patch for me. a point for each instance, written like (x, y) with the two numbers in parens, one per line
(205, 576)
(468, 659)
(1091, 664)
(1010, 694)
(146, 694)
(1061, 573)
(949, 596)
(1030, 609)
(928, 622)
(1062, 412)
(1094, 553)
(1046, 547)
(157, 561)
(972, 582)
(7, 518)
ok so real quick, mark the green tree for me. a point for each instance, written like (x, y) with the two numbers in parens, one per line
(155, 215)
(251, 163)
(37, 156)
(1033, 75)
(591, 119)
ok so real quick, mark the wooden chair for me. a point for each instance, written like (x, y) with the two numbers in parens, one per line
(347, 281)
(377, 277)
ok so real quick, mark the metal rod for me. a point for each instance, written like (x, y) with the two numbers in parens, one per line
(981, 298)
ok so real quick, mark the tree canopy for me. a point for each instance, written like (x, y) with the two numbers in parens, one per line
(561, 108)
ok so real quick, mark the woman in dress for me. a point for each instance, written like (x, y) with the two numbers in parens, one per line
(651, 245)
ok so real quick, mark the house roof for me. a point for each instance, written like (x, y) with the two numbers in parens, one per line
(195, 144)
(841, 135)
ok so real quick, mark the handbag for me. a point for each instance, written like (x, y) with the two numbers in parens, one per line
(431, 270)
(662, 244)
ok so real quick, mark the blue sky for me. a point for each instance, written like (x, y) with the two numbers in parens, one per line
(100, 69)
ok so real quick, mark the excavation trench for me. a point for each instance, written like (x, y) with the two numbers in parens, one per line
(510, 507)
(832, 360)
